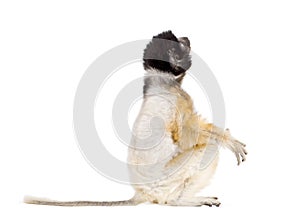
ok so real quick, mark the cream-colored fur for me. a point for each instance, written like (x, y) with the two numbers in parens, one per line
(168, 171)
(169, 145)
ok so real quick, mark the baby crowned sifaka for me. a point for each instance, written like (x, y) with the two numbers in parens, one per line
(169, 139)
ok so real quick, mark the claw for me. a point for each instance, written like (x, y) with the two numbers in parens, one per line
(237, 155)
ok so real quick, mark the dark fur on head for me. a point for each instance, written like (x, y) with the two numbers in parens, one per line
(167, 53)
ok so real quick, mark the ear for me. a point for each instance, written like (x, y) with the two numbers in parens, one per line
(185, 41)
(185, 45)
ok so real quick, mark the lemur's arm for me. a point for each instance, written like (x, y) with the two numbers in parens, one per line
(196, 133)
(225, 139)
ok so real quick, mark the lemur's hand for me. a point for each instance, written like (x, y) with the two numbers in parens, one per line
(237, 147)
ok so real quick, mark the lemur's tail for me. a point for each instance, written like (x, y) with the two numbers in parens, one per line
(42, 201)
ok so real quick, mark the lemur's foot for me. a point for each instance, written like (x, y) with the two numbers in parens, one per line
(209, 201)
(196, 202)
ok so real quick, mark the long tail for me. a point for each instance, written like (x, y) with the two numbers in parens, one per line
(41, 201)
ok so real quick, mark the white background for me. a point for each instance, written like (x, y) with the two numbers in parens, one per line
(252, 47)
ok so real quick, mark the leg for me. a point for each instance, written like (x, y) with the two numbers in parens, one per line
(192, 185)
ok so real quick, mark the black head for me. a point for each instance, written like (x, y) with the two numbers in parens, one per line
(168, 53)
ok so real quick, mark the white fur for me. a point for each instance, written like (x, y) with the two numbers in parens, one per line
(158, 183)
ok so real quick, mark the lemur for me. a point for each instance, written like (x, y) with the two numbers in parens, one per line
(170, 139)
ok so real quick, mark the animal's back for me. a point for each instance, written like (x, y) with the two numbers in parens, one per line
(161, 155)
